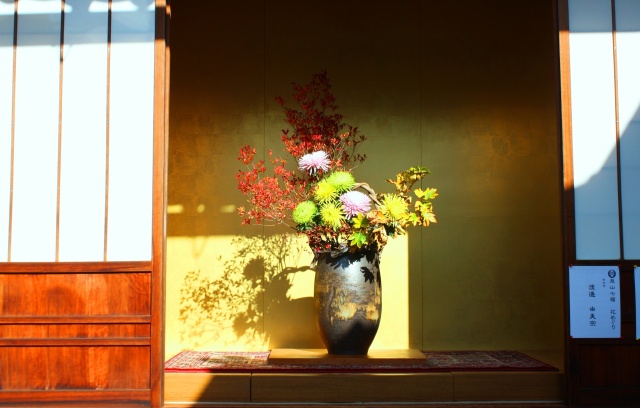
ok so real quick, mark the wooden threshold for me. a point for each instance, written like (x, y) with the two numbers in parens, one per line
(191, 389)
(351, 388)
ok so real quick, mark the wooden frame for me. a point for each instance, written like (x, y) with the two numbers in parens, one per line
(122, 342)
(595, 368)
(160, 137)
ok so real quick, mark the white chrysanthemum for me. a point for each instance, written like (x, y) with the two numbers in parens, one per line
(354, 203)
(315, 161)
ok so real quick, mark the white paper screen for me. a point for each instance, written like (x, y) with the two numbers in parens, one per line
(6, 97)
(131, 136)
(79, 154)
(628, 47)
(594, 132)
(84, 137)
(36, 131)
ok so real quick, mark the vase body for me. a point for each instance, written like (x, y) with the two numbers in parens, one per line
(348, 301)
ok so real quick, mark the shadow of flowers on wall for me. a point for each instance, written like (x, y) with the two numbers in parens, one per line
(249, 302)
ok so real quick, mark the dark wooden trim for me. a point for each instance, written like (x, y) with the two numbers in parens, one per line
(617, 116)
(567, 136)
(76, 342)
(116, 397)
(160, 143)
(568, 218)
(76, 267)
(44, 320)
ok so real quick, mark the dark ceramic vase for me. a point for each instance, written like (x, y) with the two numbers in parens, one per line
(348, 301)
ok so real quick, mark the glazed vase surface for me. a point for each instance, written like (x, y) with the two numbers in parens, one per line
(348, 301)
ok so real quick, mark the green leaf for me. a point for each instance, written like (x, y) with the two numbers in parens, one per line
(430, 194)
(357, 239)
(360, 221)
(414, 219)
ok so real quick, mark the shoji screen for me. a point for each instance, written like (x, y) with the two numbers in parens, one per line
(76, 130)
(6, 98)
(604, 43)
(628, 68)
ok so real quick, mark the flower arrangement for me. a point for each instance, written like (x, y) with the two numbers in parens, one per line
(320, 196)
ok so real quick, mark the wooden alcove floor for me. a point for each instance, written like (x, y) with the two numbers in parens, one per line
(462, 389)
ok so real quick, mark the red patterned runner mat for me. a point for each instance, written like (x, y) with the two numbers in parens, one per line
(437, 361)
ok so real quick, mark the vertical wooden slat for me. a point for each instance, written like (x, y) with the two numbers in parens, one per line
(108, 132)
(617, 116)
(60, 82)
(160, 140)
(567, 143)
(568, 217)
(13, 126)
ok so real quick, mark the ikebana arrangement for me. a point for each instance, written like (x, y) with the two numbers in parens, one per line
(346, 222)
(320, 196)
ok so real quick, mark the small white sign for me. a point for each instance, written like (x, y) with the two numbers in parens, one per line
(594, 301)
(636, 276)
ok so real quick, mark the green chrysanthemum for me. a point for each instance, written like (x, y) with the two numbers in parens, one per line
(332, 215)
(325, 191)
(342, 181)
(394, 207)
(304, 212)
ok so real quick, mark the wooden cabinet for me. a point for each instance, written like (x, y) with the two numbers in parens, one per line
(76, 332)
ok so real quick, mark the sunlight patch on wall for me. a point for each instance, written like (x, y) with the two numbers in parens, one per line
(394, 270)
(175, 209)
(256, 293)
(233, 292)
(302, 285)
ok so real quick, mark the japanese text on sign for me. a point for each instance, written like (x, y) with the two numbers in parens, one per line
(594, 301)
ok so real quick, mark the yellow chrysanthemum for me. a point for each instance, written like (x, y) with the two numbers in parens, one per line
(332, 215)
(325, 191)
(341, 180)
(394, 207)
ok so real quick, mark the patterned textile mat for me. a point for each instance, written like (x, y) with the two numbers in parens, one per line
(437, 361)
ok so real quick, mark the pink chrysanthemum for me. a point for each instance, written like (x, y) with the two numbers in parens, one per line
(355, 202)
(315, 161)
